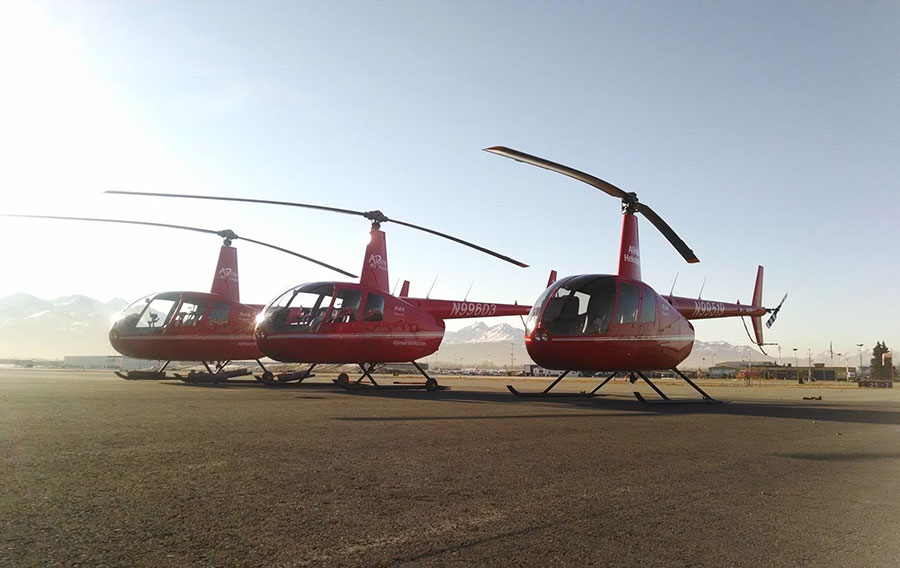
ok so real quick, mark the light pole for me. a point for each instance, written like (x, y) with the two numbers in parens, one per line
(859, 372)
(796, 362)
(809, 369)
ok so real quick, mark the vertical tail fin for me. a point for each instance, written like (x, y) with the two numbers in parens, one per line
(375, 266)
(404, 290)
(630, 250)
(225, 281)
(757, 303)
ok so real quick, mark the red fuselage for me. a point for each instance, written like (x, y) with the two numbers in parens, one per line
(599, 322)
(186, 326)
(336, 322)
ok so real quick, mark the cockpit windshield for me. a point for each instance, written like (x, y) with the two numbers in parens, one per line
(148, 315)
(582, 305)
(300, 309)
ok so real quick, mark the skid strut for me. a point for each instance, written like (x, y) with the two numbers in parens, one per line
(546, 392)
(343, 380)
(666, 400)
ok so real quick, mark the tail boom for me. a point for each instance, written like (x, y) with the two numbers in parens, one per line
(692, 308)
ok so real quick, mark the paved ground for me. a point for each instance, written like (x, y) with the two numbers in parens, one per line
(97, 471)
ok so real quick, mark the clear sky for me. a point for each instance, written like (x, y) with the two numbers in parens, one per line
(763, 132)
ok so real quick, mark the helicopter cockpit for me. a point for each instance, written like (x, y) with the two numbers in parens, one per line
(586, 305)
(157, 312)
(304, 308)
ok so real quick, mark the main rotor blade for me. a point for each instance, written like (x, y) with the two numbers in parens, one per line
(229, 234)
(606, 187)
(462, 242)
(376, 216)
(298, 255)
(518, 156)
(123, 221)
(667, 232)
(242, 200)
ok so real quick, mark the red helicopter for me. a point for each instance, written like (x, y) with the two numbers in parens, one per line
(360, 323)
(194, 326)
(617, 323)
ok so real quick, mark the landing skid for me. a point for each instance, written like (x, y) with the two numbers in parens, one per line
(144, 375)
(141, 375)
(547, 394)
(633, 377)
(582, 394)
(430, 384)
(195, 377)
(270, 379)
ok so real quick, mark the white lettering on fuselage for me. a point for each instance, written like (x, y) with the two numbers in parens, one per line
(703, 309)
(228, 274)
(472, 309)
(632, 255)
(378, 262)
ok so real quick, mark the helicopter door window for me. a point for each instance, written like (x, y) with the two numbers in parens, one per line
(300, 309)
(155, 314)
(629, 299)
(566, 312)
(600, 306)
(346, 304)
(189, 313)
(218, 314)
(374, 310)
(582, 306)
(648, 306)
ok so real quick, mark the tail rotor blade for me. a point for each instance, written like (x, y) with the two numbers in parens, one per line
(774, 315)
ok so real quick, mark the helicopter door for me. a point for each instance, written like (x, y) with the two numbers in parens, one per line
(580, 306)
(628, 301)
(189, 313)
(374, 310)
(346, 306)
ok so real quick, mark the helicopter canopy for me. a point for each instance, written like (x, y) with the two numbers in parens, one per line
(589, 304)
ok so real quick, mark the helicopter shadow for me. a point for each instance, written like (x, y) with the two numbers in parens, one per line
(612, 405)
(621, 405)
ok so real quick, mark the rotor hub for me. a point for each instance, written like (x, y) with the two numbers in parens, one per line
(630, 204)
(376, 216)
(228, 235)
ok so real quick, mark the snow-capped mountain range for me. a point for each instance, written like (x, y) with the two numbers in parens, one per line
(69, 325)
(480, 332)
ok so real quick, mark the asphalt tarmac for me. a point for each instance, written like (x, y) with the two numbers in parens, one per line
(98, 471)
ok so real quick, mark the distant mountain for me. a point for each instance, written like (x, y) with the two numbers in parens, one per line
(69, 325)
(482, 333)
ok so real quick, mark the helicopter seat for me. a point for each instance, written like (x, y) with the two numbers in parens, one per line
(570, 322)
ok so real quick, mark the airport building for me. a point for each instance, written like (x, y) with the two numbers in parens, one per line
(769, 370)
